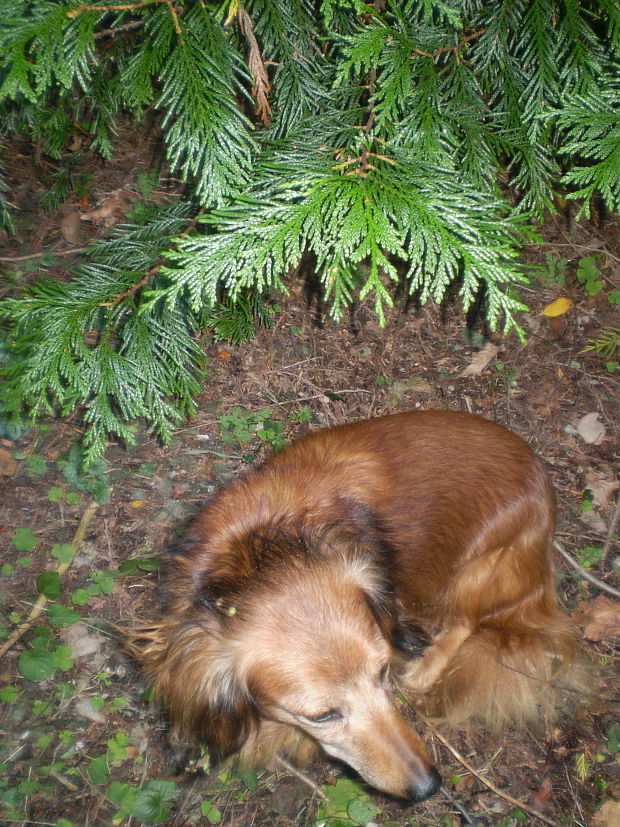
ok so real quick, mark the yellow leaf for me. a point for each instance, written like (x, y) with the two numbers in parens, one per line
(557, 308)
(233, 10)
(137, 503)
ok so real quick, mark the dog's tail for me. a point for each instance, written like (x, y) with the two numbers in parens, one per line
(512, 675)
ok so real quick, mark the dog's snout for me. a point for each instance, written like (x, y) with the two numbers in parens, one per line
(426, 787)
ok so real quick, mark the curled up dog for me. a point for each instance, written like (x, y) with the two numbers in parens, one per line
(412, 550)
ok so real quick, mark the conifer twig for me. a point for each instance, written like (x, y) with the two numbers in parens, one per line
(121, 7)
(30, 256)
(133, 289)
(455, 48)
(39, 607)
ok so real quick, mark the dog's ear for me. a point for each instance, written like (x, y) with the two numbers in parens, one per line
(225, 722)
(403, 633)
(410, 638)
(194, 673)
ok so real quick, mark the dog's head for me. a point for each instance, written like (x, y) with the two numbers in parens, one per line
(312, 654)
(300, 642)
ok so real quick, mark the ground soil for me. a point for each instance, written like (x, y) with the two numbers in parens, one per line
(541, 388)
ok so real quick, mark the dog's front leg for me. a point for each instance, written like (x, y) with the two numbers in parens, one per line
(423, 672)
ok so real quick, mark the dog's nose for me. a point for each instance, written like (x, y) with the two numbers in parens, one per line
(424, 789)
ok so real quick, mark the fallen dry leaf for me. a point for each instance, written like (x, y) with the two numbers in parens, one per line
(87, 710)
(557, 308)
(602, 483)
(399, 389)
(85, 646)
(481, 360)
(590, 429)
(602, 620)
(557, 325)
(70, 227)
(111, 210)
(7, 463)
(541, 799)
(594, 521)
(607, 815)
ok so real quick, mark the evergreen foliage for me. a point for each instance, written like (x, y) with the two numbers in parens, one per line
(400, 143)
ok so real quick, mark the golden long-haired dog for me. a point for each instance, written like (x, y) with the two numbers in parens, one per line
(414, 548)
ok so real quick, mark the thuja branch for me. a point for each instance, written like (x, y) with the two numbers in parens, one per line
(123, 7)
(133, 289)
(129, 7)
(467, 39)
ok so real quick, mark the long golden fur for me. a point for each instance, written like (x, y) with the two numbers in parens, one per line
(414, 548)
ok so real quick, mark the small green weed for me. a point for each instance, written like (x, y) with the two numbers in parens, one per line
(35, 465)
(9, 694)
(587, 501)
(151, 803)
(241, 427)
(588, 275)
(613, 739)
(92, 480)
(101, 582)
(506, 374)
(24, 540)
(605, 344)
(516, 816)
(57, 495)
(347, 803)
(589, 556)
(210, 812)
(552, 271)
(43, 658)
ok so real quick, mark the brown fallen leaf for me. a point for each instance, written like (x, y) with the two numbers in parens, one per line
(7, 463)
(607, 815)
(541, 799)
(399, 389)
(602, 620)
(70, 227)
(481, 360)
(590, 429)
(111, 210)
(85, 709)
(557, 325)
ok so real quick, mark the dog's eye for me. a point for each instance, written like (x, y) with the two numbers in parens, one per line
(332, 715)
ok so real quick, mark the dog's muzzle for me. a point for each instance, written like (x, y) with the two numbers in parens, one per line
(426, 788)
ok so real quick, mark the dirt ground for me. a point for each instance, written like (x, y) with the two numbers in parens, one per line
(77, 746)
